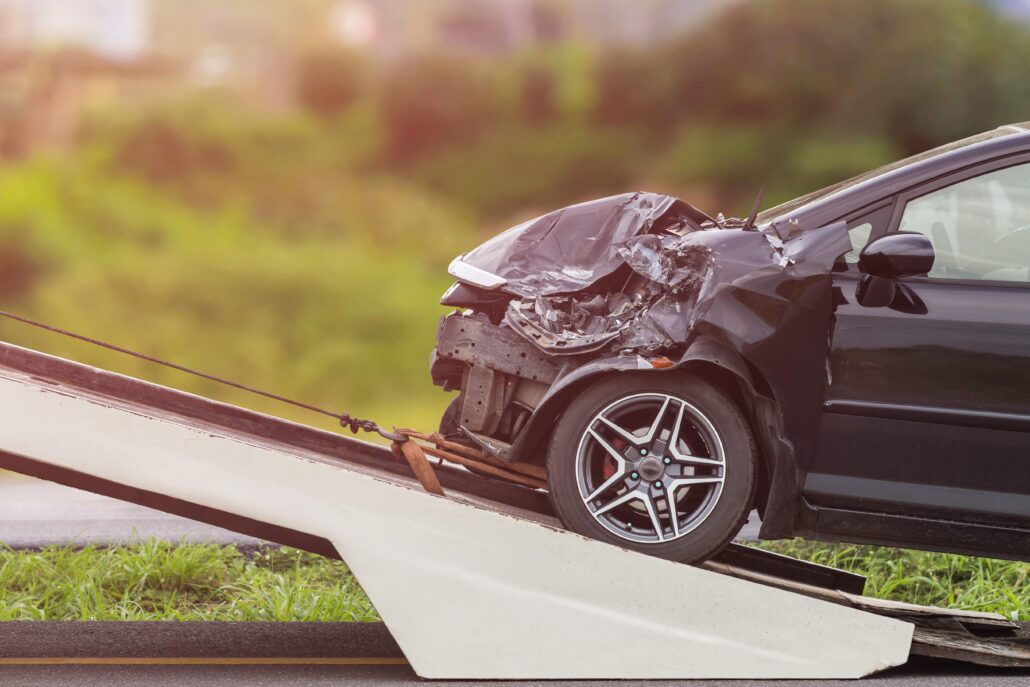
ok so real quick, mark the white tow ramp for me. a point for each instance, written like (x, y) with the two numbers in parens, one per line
(468, 592)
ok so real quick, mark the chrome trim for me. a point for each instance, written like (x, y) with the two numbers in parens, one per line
(462, 271)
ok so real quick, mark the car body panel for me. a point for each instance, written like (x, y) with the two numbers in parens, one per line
(916, 397)
(927, 411)
(572, 248)
(867, 432)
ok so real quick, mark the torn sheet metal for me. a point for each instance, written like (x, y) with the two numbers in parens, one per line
(669, 279)
(603, 285)
(665, 277)
(772, 302)
(573, 248)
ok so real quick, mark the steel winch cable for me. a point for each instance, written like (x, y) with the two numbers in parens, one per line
(352, 423)
(403, 446)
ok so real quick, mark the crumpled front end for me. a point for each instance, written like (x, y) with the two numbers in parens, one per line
(666, 275)
(663, 275)
(577, 247)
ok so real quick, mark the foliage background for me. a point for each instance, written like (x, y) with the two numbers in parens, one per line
(257, 199)
(294, 233)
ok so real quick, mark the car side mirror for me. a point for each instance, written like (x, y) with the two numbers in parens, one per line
(896, 255)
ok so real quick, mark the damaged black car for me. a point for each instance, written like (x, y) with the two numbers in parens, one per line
(854, 364)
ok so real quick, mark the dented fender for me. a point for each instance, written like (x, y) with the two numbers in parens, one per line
(764, 315)
(530, 446)
(702, 349)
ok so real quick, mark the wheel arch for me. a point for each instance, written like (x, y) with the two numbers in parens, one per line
(705, 357)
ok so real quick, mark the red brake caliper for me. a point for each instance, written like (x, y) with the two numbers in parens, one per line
(609, 467)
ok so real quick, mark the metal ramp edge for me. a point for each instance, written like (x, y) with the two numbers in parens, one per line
(480, 585)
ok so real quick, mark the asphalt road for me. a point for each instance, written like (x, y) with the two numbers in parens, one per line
(34, 514)
(254, 654)
(386, 676)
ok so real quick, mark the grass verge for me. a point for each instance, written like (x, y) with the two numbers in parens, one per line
(921, 577)
(160, 581)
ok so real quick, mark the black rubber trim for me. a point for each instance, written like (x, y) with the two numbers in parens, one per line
(882, 529)
(875, 494)
(946, 416)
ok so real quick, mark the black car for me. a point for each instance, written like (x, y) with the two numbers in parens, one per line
(855, 363)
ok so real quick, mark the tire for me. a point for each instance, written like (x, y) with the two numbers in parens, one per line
(710, 473)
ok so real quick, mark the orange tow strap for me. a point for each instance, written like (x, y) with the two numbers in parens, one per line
(416, 458)
(436, 445)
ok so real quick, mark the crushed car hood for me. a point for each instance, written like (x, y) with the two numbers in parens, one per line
(676, 283)
(636, 272)
(574, 248)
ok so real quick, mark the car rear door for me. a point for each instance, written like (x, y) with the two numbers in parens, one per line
(927, 410)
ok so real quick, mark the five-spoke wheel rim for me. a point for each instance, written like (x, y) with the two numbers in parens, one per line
(650, 468)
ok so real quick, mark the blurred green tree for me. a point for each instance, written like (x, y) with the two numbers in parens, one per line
(305, 250)
(537, 96)
(919, 72)
(634, 89)
(329, 81)
(530, 169)
(431, 102)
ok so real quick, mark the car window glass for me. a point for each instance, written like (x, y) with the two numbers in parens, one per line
(979, 227)
(859, 235)
(861, 228)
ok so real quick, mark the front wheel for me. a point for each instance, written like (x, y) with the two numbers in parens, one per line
(656, 462)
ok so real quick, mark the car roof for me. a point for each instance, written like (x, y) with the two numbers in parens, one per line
(1010, 139)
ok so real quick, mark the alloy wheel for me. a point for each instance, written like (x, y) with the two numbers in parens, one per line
(650, 467)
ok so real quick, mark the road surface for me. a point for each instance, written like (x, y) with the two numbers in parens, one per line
(34, 514)
(254, 654)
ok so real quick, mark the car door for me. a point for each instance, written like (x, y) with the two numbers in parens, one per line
(927, 409)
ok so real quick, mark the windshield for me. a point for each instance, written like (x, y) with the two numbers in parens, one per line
(791, 205)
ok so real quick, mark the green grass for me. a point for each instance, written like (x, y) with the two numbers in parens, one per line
(933, 579)
(159, 581)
